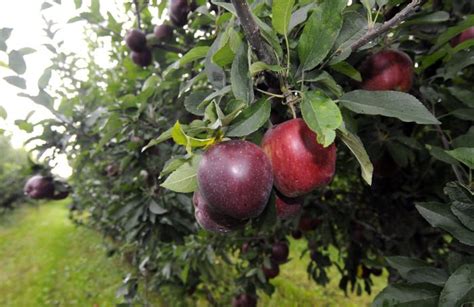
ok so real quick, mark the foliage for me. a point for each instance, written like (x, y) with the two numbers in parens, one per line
(210, 83)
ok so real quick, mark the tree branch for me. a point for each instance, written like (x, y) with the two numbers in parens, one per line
(252, 32)
(377, 31)
(137, 12)
(169, 48)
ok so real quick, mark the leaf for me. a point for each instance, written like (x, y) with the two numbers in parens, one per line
(215, 74)
(45, 5)
(16, 81)
(348, 70)
(24, 125)
(440, 215)
(180, 138)
(357, 148)
(184, 179)
(320, 33)
(435, 17)
(464, 155)
(299, 16)
(398, 295)
(257, 67)
(441, 155)
(193, 102)
(164, 136)
(26, 51)
(251, 119)
(464, 212)
(455, 30)
(322, 116)
(194, 54)
(240, 78)
(281, 15)
(353, 28)
(417, 271)
(44, 79)
(16, 62)
(459, 288)
(388, 103)
(3, 113)
(156, 209)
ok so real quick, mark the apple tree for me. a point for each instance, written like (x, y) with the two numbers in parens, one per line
(219, 133)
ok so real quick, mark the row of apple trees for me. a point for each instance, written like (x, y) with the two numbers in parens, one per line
(389, 82)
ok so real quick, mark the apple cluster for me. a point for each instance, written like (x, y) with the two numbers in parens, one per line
(41, 187)
(136, 40)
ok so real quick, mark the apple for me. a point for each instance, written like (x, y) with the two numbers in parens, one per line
(179, 10)
(244, 300)
(296, 234)
(272, 271)
(143, 58)
(280, 252)
(376, 271)
(235, 178)
(60, 195)
(387, 70)
(287, 208)
(136, 40)
(163, 32)
(308, 223)
(299, 163)
(212, 221)
(464, 36)
(39, 187)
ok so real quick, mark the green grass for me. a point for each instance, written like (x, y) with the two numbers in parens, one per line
(45, 260)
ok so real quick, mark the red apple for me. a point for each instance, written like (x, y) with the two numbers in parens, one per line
(39, 187)
(179, 10)
(212, 221)
(235, 179)
(287, 208)
(163, 32)
(299, 163)
(136, 40)
(272, 271)
(244, 300)
(143, 58)
(387, 70)
(464, 36)
(280, 252)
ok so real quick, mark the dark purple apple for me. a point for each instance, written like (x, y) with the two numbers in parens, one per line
(244, 300)
(280, 252)
(299, 163)
(287, 208)
(464, 36)
(58, 195)
(272, 271)
(39, 187)
(376, 271)
(387, 70)
(235, 178)
(136, 40)
(308, 223)
(143, 58)
(297, 234)
(179, 10)
(212, 221)
(163, 32)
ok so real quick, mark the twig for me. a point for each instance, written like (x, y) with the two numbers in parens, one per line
(137, 12)
(252, 32)
(377, 31)
(169, 48)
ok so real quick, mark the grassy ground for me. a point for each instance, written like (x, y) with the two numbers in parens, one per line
(47, 261)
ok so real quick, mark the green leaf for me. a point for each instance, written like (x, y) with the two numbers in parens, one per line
(464, 155)
(251, 119)
(440, 215)
(44, 79)
(45, 5)
(417, 271)
(464, 212)
(111, 129)
(194, 54)
(24, 125)
(16, 81)
(156, 209)
(348, 70)
(320, 33)
(215, 74)
(388, 103)
(455, 30)
(281, 15)
(193, 102)
(164, 136)
(16, 62)
(3, 113)
(441, 155)
(26, 51)
(180, 138)
(322, 116)
(403, 295)
(459, 288)
(257, 67)
(184, 179)
(357, 148)
(299, 16)
(240, 79)
(435, 17)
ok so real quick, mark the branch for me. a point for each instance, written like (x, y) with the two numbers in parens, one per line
(137, 12)
(169, 48)
(386, 26)
(252, 32)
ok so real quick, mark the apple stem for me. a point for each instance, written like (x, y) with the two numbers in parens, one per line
(270, 94)
(292, 108)
(137, 12)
